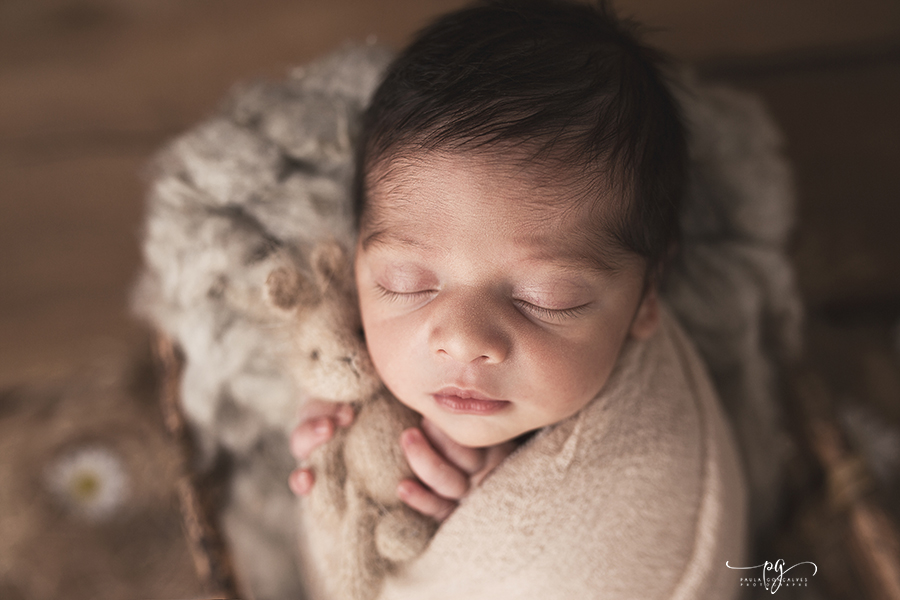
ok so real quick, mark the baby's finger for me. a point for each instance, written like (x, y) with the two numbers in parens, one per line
(309, 435)
(344, 415)
(470, 460)
(301, 481)
(422, 500)
(341, 412)
(444, 478)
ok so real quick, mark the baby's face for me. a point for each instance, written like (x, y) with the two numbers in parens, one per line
(482, 300)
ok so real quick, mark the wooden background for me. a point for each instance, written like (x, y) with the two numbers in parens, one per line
(90, 88)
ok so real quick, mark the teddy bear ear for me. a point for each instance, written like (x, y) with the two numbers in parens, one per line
(331, 264)
(287, 289)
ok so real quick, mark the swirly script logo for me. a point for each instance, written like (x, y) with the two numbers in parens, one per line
(773, 575)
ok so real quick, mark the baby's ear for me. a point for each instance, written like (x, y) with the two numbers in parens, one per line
(646, 319)
(286, 288)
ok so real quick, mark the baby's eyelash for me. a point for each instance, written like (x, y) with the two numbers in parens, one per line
(552, 313)
(392, 295)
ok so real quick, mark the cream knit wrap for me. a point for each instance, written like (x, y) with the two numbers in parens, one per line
(638, 496)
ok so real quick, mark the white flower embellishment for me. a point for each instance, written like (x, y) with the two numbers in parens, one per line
(90, 481)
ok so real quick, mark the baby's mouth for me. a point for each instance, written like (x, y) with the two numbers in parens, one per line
(462, 401)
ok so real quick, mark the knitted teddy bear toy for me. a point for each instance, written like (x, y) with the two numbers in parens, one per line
(355, 527)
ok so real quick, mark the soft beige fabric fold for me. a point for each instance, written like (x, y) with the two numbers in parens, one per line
(638, 496)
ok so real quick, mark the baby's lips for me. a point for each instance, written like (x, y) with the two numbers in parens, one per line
(466, 394)
(468, 402)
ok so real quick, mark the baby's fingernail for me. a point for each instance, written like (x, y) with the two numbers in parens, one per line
(301, 482)
(409, 436)
(404, 489)
(345, 415)
(321, 427)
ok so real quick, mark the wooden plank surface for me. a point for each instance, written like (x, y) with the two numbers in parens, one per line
(89, 88)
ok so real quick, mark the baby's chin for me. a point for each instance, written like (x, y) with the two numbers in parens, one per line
(475, 434)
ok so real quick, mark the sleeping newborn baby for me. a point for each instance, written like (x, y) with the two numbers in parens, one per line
(519, 179)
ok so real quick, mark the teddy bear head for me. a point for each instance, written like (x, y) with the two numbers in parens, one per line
(328, 356)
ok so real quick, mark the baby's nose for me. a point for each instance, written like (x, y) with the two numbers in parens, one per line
(469, 330)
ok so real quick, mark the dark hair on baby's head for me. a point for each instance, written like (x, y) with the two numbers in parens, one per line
(564, 81)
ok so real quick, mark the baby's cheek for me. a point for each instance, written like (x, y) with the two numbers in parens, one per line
(575, 374)
(383, 359)
(390, 355)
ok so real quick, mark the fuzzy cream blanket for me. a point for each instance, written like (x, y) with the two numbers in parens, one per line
(638, 496)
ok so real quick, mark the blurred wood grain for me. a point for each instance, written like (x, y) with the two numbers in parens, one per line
(90, 88)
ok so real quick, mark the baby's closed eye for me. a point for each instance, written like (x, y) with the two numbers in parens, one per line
(554, 314)
(409, 295)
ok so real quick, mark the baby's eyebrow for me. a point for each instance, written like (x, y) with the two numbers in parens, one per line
(386, 237)
(605, 263)
(579, 264)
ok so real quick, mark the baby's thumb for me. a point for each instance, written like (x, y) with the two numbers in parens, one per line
(309, 435)
(301, 481)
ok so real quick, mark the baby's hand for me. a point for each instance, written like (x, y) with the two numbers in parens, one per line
(446, 471)
(318, 420)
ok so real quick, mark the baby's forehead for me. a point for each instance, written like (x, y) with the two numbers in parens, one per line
(554, 212)
(548, 184)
